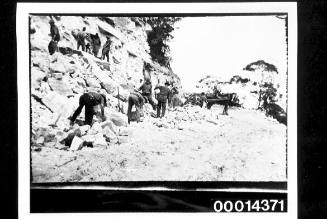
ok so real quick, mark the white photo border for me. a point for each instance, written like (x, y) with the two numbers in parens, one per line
(22, 31)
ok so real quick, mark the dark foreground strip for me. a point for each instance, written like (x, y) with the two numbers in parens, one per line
(91, 201)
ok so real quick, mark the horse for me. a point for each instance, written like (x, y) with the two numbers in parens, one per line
(229, 99)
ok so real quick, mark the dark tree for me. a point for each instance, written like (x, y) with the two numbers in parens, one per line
(159, 36)
(260, 63)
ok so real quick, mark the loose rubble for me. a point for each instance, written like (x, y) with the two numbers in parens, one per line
(149, 149)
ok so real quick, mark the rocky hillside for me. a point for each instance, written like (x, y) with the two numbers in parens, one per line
(73, 72)
(188, 143)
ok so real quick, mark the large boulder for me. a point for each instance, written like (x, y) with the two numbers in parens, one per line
(111, 126)
(109, 135)
(100, 141)
(92, 82)
(36, 77)
(83, 129)
(117, 118)
(40, 60)
(77, 144)
(96, 128)
(58, 103)
(61, 86)
(276, 112)
(70, 136)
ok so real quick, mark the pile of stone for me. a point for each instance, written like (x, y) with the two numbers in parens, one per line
(99, 135)
(187, 113)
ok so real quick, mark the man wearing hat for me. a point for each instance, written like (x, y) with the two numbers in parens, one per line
(162, 98)
(106, 49)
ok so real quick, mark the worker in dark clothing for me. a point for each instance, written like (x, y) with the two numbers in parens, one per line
(203, 99)
(54, 31)
(88, 48)
(90, 100)
(162, 97)
(81, 36)
(106, 49)
(172, 93)
(55, 37)
(146, 91)
(96, 44)
(137, 100)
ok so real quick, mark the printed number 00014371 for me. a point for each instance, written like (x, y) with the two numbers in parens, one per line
(265, 205)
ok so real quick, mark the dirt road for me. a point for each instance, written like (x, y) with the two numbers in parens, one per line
(243, 146)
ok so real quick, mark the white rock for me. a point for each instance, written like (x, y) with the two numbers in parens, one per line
(109, 135)
(96, 128)
(124, 131)
(111, 125)
(84, 129)
(58, 103)
(40, 140)
(92, 82)
(100, 141)
(117, 118)
(36, 77)
(77, 144)
(61, 86)
(88, 138)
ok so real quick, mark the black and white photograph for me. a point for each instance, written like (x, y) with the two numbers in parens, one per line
(159, 97)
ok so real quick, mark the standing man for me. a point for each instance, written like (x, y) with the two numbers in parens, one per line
(106, 49)
(90, 100)
(96, 44)
(162, 97)
(55, 37)
(146, 91)
(203, 100)
(81, 35)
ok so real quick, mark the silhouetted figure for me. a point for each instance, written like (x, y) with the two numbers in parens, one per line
(81, 36)
(106, 49)
(162, 98)
(137, 100)
(203, 99)
(55, 37)
(96, 44)
(88, 48)
(146, 91)
(90, 100)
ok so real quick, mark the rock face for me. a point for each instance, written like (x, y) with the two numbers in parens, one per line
(58, 80)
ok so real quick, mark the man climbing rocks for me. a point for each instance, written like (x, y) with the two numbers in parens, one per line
(146, 91)
(106, 49)
(96, 44)
(162, 97)
(55, 37)
(81, 36)
(90, 100)
(137, 100)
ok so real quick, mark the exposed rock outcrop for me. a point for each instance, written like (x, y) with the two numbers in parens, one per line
(58, 80)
